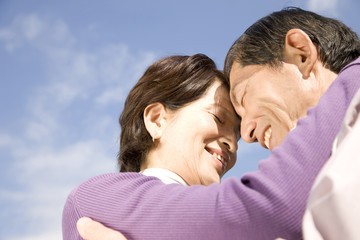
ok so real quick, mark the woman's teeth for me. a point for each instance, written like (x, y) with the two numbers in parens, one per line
(221, 159)
(267, 137)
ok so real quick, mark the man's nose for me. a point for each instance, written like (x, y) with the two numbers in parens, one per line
(248, 130)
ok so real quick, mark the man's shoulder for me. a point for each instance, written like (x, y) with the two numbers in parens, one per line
(351, 66)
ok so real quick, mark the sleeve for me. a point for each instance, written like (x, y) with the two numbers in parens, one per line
(70, 217)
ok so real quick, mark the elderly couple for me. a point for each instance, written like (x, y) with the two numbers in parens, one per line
(179, 132)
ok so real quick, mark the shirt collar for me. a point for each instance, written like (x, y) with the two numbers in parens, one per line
(166, 176)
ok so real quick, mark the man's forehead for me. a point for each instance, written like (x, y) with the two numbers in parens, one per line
(238, 77)
(239, 73)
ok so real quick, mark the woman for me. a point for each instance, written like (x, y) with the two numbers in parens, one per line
(177, 125)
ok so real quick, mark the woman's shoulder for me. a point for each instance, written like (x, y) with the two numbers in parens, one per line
(107, 189)
(119, 180)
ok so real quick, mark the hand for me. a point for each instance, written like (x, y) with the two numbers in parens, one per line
(92, 230)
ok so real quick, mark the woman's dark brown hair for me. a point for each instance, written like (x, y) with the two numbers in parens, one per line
(173, 81)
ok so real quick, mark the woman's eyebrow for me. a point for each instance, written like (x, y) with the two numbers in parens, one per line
(229, 112)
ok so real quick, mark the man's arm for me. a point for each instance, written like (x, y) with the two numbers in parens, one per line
(268, 203)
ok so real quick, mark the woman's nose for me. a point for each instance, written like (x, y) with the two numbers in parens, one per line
(231, 145)
(231, 140)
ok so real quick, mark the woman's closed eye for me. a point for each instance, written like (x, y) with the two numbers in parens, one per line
(217, 118)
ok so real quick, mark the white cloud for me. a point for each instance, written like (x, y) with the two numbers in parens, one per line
(31, 26)
(66, 138)
(47, 176)
(31, 29)
(74, 73)
(6, 140)
(90, 155)
(40, 236)
(328, 7)
(111, 95)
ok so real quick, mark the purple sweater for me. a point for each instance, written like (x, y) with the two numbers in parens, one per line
(264, 204)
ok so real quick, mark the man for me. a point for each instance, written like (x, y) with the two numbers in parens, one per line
(332, 210)
(278, 69)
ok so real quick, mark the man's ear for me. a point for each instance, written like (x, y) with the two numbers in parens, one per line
(155, 119)
(301, 51)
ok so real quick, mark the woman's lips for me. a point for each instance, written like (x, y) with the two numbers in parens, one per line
(221, 159)
(219, 155)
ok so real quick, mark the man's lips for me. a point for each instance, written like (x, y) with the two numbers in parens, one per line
(267, 137)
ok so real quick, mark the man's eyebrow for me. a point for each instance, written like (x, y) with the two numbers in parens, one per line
(233, 95)
(234, 99)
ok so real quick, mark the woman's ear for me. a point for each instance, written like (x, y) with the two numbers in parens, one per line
(155, 119)
(301, 51)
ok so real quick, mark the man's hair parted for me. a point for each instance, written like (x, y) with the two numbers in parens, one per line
(263, 42)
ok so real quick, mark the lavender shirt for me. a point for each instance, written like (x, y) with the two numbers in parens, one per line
(264, 204)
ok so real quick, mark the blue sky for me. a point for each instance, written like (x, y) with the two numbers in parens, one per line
(66, 67)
